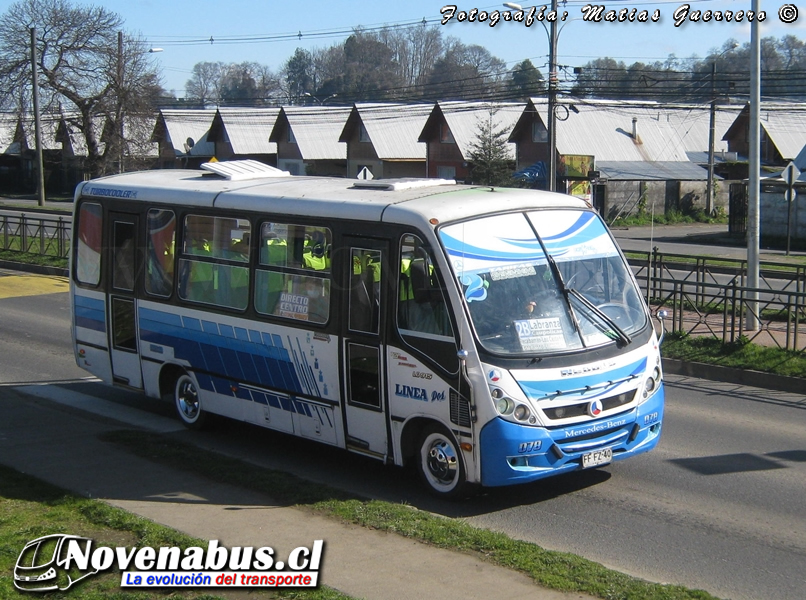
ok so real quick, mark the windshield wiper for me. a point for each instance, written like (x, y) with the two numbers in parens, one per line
(603, 316)
(561, 283)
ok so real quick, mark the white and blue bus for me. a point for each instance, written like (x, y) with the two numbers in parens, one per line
(489, 336)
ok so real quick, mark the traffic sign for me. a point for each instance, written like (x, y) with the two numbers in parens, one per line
(790, 194)
(790, 174)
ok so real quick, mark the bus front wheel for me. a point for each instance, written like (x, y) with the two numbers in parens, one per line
(187, 402)
(440, 463)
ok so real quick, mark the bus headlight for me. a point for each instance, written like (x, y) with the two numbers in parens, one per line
(652, 382)
(521, 412)
(504, 405)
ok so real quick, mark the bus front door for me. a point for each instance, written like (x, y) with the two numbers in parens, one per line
(365, 406)
(122, 301)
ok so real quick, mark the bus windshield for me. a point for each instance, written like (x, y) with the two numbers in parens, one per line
(543, 282)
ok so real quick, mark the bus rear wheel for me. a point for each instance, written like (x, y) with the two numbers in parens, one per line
(440, 464)
(188, 404)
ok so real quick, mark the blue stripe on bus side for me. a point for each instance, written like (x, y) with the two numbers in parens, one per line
(222, 350)
(90, 313)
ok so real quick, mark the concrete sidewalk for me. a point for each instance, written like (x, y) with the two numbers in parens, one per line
(60, 445)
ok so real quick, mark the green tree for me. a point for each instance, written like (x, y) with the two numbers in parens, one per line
(526, 81)
(489, 153)
(298, 76)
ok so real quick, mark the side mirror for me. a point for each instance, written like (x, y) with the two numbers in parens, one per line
(662, 314)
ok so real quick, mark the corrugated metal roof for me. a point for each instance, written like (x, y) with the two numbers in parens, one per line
(785, 128)
(393, 129)
(605, 131)
(184, 125)
(694, 122)
(464, 120)
(58, 133)
(317, 129)
(651, 171)
(248, 129)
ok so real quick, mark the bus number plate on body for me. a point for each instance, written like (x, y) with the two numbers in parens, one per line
(597, 458)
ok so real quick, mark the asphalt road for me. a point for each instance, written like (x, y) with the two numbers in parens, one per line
(719, 505)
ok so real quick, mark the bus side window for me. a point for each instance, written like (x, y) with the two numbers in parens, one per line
(423, 319)
(421, 305)
(214, 267)
(292, 280)
(160, 247)
(88, 244)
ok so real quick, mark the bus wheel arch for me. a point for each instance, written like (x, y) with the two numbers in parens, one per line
(167, 380)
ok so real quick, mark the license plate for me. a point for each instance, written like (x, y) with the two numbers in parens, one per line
(597, 458)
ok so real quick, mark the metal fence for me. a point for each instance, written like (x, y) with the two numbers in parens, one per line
(708, 296)
(49, 236)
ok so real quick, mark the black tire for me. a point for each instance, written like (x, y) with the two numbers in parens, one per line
(440, 464)
(188, 404)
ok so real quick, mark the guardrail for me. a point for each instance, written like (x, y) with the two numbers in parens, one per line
(35, 235)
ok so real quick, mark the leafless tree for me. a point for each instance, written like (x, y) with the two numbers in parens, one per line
(87, 68)
(204, 86)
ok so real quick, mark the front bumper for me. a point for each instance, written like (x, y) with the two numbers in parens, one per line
(512, 453)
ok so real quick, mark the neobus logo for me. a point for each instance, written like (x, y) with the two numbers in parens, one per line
(46, 564)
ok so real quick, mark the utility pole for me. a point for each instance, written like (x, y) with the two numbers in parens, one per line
(40, 162)
(552, 100)
(121, 133)
(709, 186)
(754, 187)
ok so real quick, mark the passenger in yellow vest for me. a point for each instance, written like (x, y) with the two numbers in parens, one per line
(271, 284)
(315, 255)
(239, 275)
(202, 277)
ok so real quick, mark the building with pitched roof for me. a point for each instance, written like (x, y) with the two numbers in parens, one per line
(783, 132)
(383, 139)
(307, 139)
(452, 130)
(633, 150)
(243, 133)
(182, 137)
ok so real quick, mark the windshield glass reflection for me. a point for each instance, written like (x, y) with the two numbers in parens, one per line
(523, 301)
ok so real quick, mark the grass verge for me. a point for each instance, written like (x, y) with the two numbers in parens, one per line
(556, 570)
(29, 258)
(30, 508)
(741, 355)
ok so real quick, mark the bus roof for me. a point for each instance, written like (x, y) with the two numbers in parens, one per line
(407, 201)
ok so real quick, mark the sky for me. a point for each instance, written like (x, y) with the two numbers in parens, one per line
(268, 32)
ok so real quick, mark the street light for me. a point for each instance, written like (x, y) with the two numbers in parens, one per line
(321, 102)
(551, 126)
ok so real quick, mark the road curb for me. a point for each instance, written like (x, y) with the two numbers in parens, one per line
(36, 269)
(781, 383)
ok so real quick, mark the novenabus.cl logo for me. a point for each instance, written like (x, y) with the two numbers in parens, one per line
(44, 564)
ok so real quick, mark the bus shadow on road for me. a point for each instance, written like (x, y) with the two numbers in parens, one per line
(490, 500)
(725, 464)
